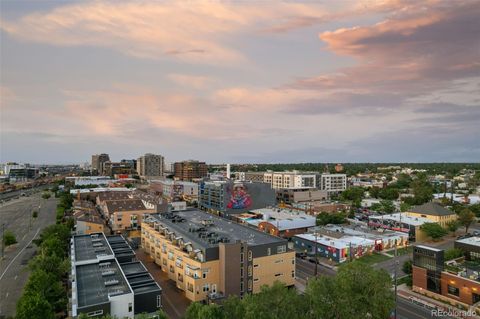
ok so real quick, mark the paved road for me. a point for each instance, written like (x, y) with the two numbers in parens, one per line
(305, 269)
(174, 302)
(14, 194)
(16, 215)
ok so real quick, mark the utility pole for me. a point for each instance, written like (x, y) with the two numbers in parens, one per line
(395, 276)
(316, 254)
(3, 239)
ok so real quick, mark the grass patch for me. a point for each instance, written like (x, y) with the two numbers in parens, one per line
(405, 280)
(372, 259)
(402, 251)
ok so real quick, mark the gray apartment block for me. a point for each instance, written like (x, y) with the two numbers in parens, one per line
(107, 279)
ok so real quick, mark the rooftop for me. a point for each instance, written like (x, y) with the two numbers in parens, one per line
(475, 241)
(95, 282)
(363, 231)
(124, 205)
(402, 217)
(282, 218)
(139, 278)
(89, 247)
(205, 230)
(339, 243)
(431, 208)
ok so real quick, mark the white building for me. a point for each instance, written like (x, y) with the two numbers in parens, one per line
(293, 179)
(333, 183)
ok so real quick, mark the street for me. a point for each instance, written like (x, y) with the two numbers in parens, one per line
(16, 215)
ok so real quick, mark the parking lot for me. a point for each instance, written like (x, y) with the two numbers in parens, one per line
(16, 216)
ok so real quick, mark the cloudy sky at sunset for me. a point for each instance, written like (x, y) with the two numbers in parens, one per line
(258, 81)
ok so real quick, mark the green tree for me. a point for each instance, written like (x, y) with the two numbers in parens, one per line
(433, 230)
(389, 193)
(34, 306)
(48, 287)
(46, 195)
(475, 208)
(407, 267)
(453, 253)
(276, 301)
(452, 226)
(422, 190)
(9, 238)
(353, 194)
(374, 192)
(404, 207)
(233, 308)
(358, 291)
(466, 218)
(387, 206)
(330, 218)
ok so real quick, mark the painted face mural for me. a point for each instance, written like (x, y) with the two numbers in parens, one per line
(239, 198)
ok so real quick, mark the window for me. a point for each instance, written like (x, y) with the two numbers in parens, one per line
(293, 273)
(255, 266)
(241, 257)
(255, 280)
(278, 261)
(250, 270)
(204, 274)
(130, 307)
(269, 251)
(159, 301)
(278, 275)
(250, 255)
(241, 286)
(281, 249)
(249, 284)
(190, 287)
(453, 290)
(95, 313)
(206, 287)
(180, 277)
(171, 269)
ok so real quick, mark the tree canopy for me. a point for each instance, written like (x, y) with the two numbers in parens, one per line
(357, 291)
(433, 230)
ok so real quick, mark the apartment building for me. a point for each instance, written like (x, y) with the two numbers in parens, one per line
(150, 165)
(189, 170)
(333, 183)
(455, 282)
(209, 257)
(87, 219)
(227, 198)
(126, 214)
(107, 280)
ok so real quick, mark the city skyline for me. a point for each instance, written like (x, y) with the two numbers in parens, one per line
(367, 81)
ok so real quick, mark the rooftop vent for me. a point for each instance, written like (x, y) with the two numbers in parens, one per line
(111, 282)
(108, 273)
(104, 264)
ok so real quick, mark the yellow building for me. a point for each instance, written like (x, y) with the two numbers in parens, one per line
(210, 257)
(434, 212)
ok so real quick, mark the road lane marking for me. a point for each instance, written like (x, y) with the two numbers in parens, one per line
(21, 251)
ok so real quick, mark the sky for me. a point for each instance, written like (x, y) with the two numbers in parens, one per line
(240, 81)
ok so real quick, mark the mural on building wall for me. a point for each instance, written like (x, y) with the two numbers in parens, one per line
(177, 192)
(239, 197)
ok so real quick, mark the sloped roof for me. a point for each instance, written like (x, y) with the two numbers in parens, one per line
(431, 208)
(124, 205)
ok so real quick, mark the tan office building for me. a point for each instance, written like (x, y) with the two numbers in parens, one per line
(209, 257)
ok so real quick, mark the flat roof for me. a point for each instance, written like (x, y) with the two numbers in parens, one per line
(338, 243)
(95, 282)
(196, 222)
(139, 278)
(402, 217)
(428, 247)
(89, 247)
(474, 240)
(365, 232)
(120, 246)
(282, 218)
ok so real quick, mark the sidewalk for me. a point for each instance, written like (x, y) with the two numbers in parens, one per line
(405, 292)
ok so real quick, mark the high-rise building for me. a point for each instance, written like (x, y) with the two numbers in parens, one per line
(333, 183)
(150, 165)
(97, 162)
(188, 170)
